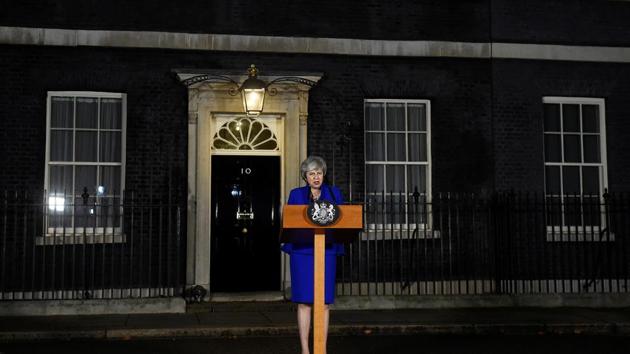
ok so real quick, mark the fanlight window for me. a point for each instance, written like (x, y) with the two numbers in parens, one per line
(245, 133)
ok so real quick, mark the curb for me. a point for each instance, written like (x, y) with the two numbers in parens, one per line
(335, 330)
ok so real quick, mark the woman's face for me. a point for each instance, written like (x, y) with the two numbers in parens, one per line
(315, 178)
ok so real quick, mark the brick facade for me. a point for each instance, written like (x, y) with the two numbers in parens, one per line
(485, 113)
(518, 89)
(475, 148)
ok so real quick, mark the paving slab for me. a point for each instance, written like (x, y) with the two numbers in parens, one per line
(232, 319)
(61, 322)
(161, 321)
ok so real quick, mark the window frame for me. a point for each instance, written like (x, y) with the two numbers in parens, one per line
(582, 232)
(74, 234)
(427, 225)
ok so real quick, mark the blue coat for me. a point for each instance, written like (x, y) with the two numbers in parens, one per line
(301, 263)
(301, 196)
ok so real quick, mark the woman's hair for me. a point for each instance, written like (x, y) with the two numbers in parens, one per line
(312, 163)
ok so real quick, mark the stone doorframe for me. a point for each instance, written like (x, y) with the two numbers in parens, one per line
(206, 100)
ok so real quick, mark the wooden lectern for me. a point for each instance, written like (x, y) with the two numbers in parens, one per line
(346, 228)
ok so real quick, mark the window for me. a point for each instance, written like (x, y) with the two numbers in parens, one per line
(245, 133)
(575, 163)
(397, 162)
(85, 149)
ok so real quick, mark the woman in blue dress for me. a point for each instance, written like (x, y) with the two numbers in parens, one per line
(313, 170)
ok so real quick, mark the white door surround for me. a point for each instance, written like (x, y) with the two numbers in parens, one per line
(209, 101)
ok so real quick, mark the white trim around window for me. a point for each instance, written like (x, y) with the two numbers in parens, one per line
(566, 151)
(89, 133)
(410, 157)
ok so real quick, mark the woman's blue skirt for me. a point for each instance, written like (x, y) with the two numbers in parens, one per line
(301, 265)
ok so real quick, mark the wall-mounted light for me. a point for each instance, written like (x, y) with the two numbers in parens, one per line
(253, 90)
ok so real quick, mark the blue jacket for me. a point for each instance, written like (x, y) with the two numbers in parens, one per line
(301, 196)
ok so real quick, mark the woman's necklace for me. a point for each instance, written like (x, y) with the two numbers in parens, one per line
(315, 196)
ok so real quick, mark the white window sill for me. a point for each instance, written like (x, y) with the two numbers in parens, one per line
(379, 234)
(79, 239)
(579, 236)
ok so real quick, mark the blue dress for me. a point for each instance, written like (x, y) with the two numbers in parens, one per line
(301, 262)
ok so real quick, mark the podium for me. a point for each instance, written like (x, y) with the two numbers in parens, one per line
(345, 229)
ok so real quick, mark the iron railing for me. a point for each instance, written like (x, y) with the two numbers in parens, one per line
(451, 244)
(505, 243)
(83, 248)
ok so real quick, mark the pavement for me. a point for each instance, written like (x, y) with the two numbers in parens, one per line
(233, 320)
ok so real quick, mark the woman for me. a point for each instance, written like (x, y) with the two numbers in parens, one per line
(313, 170)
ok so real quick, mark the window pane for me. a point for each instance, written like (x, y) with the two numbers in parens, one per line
(416, 178)
(396, 147)
(61, 111)
(395, 117)
(61, 145)
(571, 180)
(111, 113)
(60, 180)
(108, 213)
(374, 178)
(551, 117)
(417, 118)
(592, 211)
(395, 209)
(374, 209)
(572, 211)
(571, 117)
(85, 148)
(552, 180)
(572, 148)
(375, 146)
(110, 146)
(417, 208)
(552, 148)
(591, 148)
(85, 178)
(85, 212)
(374, 116)
(109, 181)
(590, 118)
(87, 112)
(590, 179)
(417, 147)
(395, 179)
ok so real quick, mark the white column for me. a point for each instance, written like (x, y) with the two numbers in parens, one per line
(191, 210)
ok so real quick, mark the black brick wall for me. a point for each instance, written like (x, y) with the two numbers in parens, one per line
(155, 117)
(518, 89)
(376, 19)
(539, 21)
(157, 103)
(472, 149)
(578, 22)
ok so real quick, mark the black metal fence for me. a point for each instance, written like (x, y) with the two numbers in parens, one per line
(451, 244)
(55, 247)
(503, 243)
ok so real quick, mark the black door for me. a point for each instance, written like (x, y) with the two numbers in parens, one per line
(245, 253)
